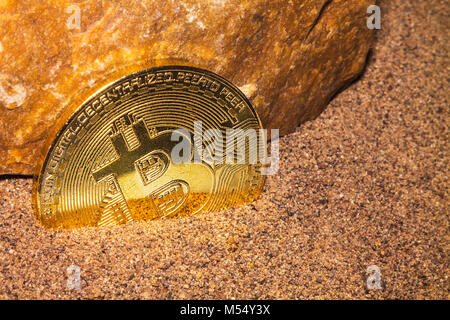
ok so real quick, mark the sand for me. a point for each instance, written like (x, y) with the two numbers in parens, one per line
(366, 183)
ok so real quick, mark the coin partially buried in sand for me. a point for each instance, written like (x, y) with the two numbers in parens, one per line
(170, 140)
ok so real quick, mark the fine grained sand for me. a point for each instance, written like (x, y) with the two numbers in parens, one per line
(364, 184)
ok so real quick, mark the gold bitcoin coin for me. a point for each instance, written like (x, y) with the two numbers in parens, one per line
(169, 140)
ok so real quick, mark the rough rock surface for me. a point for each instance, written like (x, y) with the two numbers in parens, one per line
(354, 189)
(289, 57)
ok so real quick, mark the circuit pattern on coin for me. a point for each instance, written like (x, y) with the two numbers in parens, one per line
(110, 163)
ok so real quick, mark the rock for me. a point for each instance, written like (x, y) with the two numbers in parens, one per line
(289, 57)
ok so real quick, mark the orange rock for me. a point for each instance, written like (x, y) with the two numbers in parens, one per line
(288, 57)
